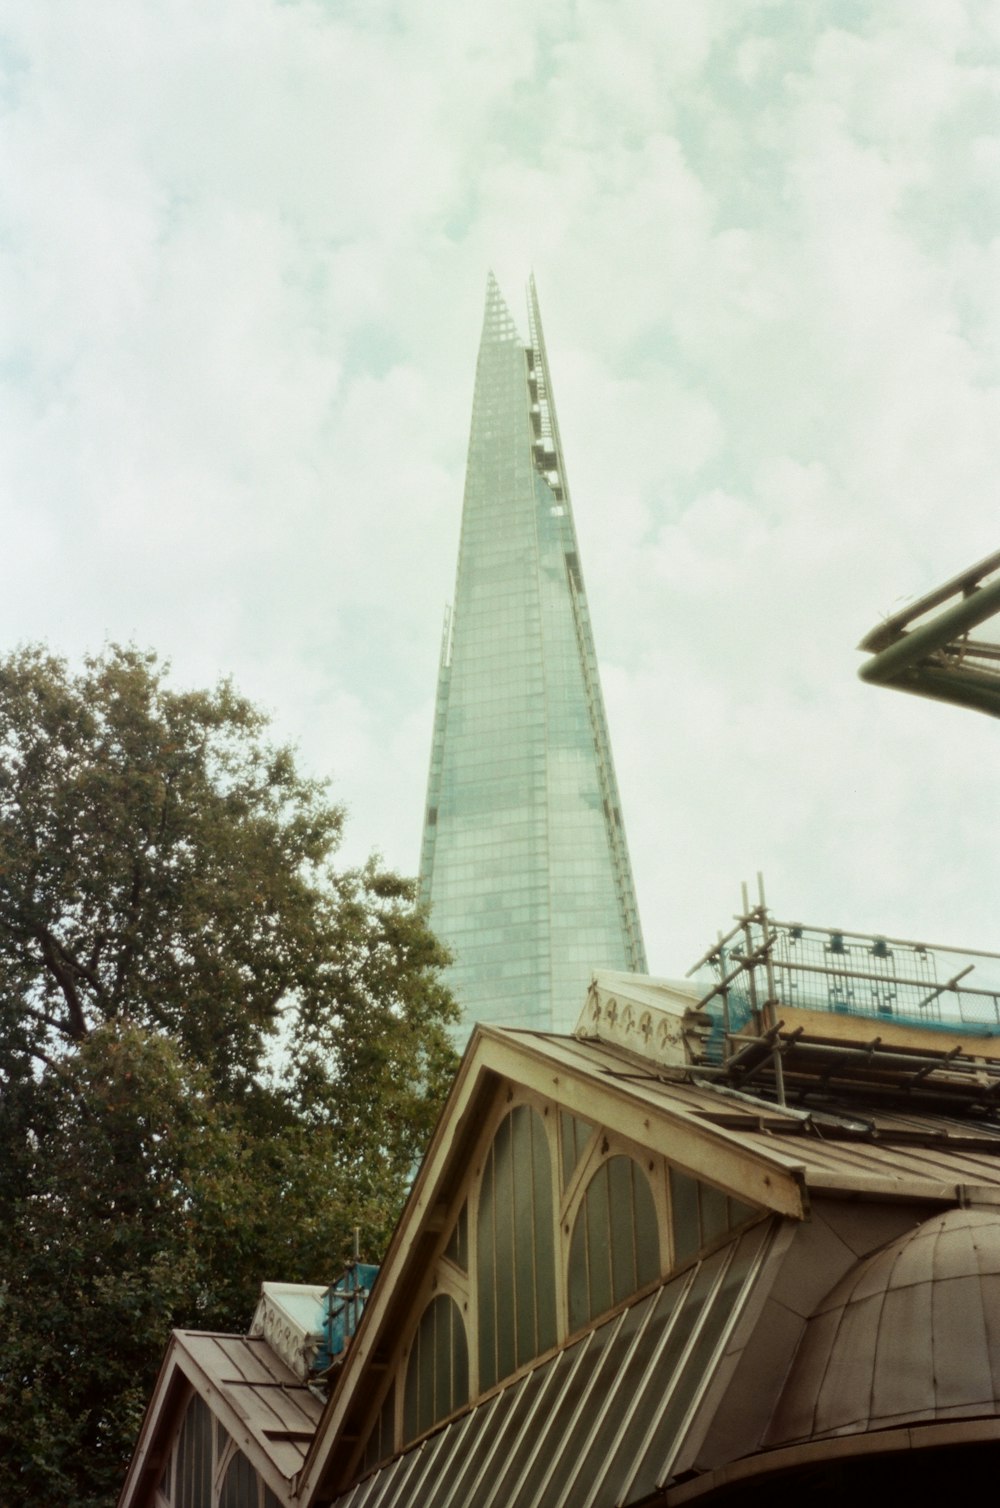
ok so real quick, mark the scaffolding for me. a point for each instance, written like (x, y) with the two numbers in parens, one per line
(766, 972)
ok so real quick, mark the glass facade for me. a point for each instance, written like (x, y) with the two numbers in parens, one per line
(190, 1479)
(560, 1223)
(524, 858)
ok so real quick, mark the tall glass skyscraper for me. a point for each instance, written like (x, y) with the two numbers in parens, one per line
(524, 858)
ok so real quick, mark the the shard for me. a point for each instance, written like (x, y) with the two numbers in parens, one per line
(524, 858)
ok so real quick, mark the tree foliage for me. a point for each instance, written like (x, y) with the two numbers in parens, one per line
(218, 1053)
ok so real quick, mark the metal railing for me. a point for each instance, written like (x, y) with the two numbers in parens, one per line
(763, 964)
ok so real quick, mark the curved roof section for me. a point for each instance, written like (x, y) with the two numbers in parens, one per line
(909, 1335)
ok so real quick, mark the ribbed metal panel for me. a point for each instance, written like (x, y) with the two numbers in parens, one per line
(597, 1425)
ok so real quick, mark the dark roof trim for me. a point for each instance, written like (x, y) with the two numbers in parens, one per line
(838, 1448)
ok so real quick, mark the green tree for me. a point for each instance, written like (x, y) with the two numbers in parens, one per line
(218, 1053)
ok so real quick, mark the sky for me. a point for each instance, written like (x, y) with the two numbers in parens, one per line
(243, 256)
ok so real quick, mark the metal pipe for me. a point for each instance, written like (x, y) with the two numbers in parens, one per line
(918, 643)
(965, 582)
(771, 1004)
(896, 942)
(833, 972)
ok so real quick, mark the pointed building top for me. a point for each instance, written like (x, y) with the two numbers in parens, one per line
(498, 322)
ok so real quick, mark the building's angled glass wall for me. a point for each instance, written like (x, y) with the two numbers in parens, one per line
(523, 858)
(560, 1223)
(205, 1470)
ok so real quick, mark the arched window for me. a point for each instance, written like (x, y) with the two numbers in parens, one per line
(239, 1485)
(615, 1248)
(437, 1373)
(193, 1458)
(242, 1487)
(515, 1248)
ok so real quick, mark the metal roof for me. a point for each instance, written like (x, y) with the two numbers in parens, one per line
(909, 1335)
(263, 1403)
(896, 1151)
(774, 1155)
(598, 1424)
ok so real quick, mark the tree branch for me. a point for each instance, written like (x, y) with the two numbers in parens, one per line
(63, 977)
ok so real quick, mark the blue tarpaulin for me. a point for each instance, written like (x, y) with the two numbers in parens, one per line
(343, 1305)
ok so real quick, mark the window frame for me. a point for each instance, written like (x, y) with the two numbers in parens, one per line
(444, 1276)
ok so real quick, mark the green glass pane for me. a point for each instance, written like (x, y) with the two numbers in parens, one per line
(621, 1227)
(457, 1250)
(427, 1353)
(648, 1265)
(544, 1242)
(411, 1394)
(608, 1379)
(503, 1182)
(628, 1385)
(684, 1217)
(739, 1212)
(467, 1468)
(387, 1424)
(459, 1363)
(193, 1480)
(574, 1135)
(486, 1287)
(714, 1212)
(598, 1241)
(579, 1283)
(240, 1487)
(510, 1464)
(706, 1322)
(522, 1176)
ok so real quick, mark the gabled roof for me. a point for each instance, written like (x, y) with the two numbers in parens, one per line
(269, 1412)
(604, 1084)
(771, 1155)
(882, 1133)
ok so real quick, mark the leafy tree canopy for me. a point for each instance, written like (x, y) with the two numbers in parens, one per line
(218, 1053)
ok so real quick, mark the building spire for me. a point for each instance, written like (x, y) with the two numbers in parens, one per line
(498, 322)
(524, 860)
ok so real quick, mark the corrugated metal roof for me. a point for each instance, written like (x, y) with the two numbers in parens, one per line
(274, 1408)
(598, 1424)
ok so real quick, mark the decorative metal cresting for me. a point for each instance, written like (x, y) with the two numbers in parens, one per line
(927, 649)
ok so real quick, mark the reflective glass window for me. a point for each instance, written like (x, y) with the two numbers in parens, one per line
(437, 1372)
(615, 1247)
(701, 1214)
(193, 1458)
(515, 1248)
(240, 1485)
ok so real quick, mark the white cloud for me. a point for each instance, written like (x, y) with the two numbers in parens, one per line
(241, 263)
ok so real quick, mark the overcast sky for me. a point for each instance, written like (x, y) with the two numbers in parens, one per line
(243, 253)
